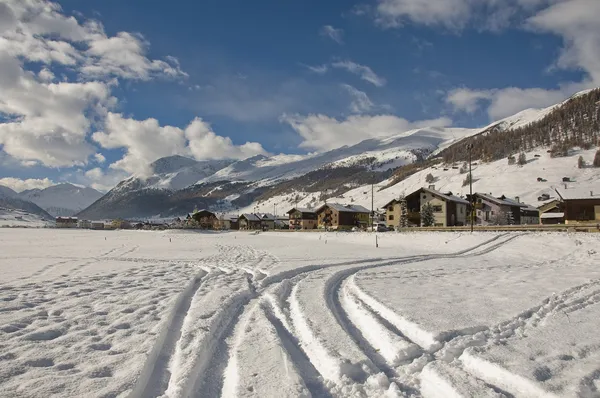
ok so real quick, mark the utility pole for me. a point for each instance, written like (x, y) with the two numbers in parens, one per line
(372, 204)
(470, 148)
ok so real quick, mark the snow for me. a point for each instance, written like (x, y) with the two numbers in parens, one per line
(580, 192)
(182, 313)
(19, 218)
(62, 198)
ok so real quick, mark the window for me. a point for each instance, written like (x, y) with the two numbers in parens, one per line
(391, 218)
(492, 213)
(462, 209)
(487, 216)
(424, 196)
(437, 209)
(391, 208)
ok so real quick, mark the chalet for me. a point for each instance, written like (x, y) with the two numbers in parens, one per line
(342, 217)
(302, 218)
(490, 210)
(552, 213)
(66, 222)
(96, 225)
(227, 222)
(205, 218)
(267, 221)
(529, 215)
(84, 224)
(449, 210)
(249, 221)
(282, 222)
(581, 204)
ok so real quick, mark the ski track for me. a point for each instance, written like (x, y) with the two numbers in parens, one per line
(417, 362)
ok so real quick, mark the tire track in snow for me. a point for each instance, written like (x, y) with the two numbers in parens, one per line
(214, 354)
(154, 378)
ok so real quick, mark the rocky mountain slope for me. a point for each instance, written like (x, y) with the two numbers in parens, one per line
(395, 164)
(62, 199)
(10, 203)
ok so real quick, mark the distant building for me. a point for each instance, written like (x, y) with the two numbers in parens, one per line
(490, 210)
(342, 217)
(227, 222)
(282, 222)
(552, 212)
(581, 204)
(302, 218)
(66, 222)
(449, 210)
(249, 221)
(84, 224)
(97, 225)
(205, 219)
(529, 215)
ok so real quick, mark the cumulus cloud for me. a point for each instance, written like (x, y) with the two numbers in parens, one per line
(145, 141)
(323, 133)
(337, 35)
(19, 185)
(575, 22)
(365, 72)
(453, 14)
(360, 100)
(46, 122)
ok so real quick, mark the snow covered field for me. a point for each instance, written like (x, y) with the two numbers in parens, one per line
(178, 314)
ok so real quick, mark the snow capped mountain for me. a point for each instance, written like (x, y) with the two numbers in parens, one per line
(62, 199)
(346, 173)
(6, 192)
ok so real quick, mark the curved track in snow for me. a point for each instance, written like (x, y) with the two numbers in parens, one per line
(352, 345)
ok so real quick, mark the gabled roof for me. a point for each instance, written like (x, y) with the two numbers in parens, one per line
(266, 216)
(345, 208)
(497, 201)
(250, 217)
(579, 193)
(230, 217)
(446, 197)
(515, 203)
(302, 210)
(390, 203)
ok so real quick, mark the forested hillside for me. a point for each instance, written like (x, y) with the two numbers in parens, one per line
(574, 124)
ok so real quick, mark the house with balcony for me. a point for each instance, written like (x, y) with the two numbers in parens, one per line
(449, 209)
(490, 210)
(340, 217)
(302, 218)
(581, 204)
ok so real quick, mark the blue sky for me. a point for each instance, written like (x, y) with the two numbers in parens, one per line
(285, 77)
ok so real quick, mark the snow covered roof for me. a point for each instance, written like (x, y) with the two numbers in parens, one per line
(513, 202)
(497, 201)
(250, 217)
(579, 193)
(552, 215)
(446, 197)
(345, 208)
(302, 210)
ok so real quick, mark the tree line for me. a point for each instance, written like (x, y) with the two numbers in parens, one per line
(574, 124)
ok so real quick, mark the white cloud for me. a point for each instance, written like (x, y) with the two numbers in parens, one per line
(48, 122)
(360, 100)
(573, 20)
(318, 69)
(337, 35)
(324, 133)
(101, 180)
(363, 71)
(19, 185)
(99, 158)
(145, 141)
(454, 14)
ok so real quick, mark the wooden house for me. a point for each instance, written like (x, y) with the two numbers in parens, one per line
(249, 221)
(490, 210)
(227, 222)
(205, 219)
(529, 215)
(66, 222)
(342, 217)
(581, 205)
(302, 218)
(267, 221)
(448, 210)
(552, 213)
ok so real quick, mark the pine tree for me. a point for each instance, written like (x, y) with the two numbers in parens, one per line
(510, 219)
(467, 180)
(581, 162)
(597, 159)
(522, 159)
(427, 215)
(429, 178)
(403, 212)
